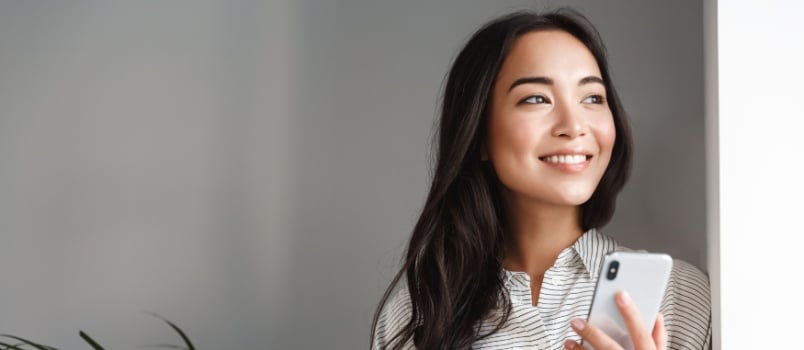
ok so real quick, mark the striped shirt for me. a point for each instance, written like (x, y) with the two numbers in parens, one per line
(566, 294)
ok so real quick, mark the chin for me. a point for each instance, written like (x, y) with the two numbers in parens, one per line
(575, 202)
(556, 194)
(574, 199)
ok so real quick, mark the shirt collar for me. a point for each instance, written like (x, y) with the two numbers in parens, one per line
(591, 248)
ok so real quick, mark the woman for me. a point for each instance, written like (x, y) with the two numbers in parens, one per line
(533, 147)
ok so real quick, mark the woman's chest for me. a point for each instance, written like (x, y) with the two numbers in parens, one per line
(561, 298)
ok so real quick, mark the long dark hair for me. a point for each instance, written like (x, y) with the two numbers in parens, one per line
(453, 263)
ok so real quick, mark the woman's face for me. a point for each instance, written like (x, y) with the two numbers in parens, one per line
(551, 131)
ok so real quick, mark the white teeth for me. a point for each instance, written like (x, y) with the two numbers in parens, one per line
(566, 159)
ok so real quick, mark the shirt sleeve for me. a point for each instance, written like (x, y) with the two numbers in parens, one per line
(686, 308)
(394, 316)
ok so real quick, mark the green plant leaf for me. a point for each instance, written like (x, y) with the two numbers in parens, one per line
(36, 345)
(11, 346)
(177, 329)
(93, 343)
(89, 340)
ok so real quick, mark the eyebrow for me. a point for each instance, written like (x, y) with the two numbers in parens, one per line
(547, 81)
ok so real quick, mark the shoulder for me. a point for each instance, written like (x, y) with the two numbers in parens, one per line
(687, 308)
(395, 315)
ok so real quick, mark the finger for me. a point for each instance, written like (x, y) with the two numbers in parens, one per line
(593, 335)
(659, 333)
(633, 321)
(571, 344)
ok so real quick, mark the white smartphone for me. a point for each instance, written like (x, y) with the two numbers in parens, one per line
(644, 276)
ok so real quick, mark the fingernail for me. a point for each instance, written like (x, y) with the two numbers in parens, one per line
(569, 344)
(578, 324)
(623, 298)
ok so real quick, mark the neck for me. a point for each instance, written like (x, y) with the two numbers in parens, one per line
(538, 232)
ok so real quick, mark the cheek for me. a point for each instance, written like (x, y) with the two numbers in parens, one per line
(513, 136)
(606, 133)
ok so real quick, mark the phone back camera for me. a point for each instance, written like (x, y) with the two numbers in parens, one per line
(612, 271)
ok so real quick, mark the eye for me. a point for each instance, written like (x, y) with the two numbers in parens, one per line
(594, 99)
(535, 99)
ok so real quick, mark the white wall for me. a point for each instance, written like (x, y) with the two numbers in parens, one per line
(760, 61)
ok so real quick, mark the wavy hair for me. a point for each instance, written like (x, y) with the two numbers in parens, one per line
(453, 262)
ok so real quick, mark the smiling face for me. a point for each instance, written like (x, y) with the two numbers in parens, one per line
(551, 132)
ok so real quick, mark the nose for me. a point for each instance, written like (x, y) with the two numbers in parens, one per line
(569, 122)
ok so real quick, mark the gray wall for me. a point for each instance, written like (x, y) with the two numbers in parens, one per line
(252, 170)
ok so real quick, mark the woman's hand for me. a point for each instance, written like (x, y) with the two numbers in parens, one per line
(641, 337)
